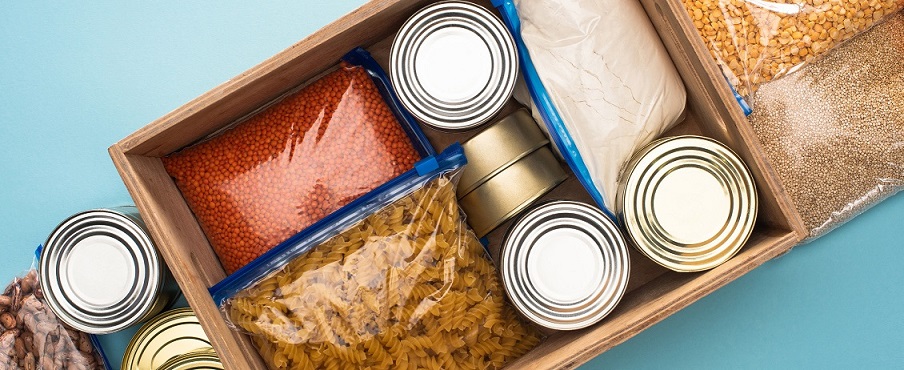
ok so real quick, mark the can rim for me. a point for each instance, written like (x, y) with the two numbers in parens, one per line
(549, 313)
(470, 112)
(205, 358)
(147, 271)
(649, 238)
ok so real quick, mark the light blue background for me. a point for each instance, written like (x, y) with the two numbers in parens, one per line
(74, 79)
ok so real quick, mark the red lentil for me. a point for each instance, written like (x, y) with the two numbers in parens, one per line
(260, 182)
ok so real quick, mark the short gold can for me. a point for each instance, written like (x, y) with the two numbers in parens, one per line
(497, 147)
(512, 190)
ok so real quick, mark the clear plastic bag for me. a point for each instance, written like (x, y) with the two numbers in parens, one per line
(396, 281)
(31, 336)
(600, 79)
(296, 161)
(834, 130)
(755, 41)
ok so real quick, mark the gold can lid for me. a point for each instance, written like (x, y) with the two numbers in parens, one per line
(168, 335)
(497, 147)
(689, 203)
(512, 190)
(203, 359)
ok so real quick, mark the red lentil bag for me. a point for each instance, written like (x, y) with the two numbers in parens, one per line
(296, 161)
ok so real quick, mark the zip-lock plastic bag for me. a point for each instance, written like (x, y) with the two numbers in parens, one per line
(755, 41)
(600, 79)
(394, 280)
(834, 130)
(297, 160)
(31, 336)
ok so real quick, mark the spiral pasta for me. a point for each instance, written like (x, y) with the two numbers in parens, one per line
(407, 287)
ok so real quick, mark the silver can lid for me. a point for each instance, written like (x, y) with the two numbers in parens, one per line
(564, 265)
(100, 271)
(453, 65)
(688, 202)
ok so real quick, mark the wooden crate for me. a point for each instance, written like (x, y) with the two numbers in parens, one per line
(654, 293)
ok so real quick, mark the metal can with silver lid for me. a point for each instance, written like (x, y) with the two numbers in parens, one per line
(453, 65)
(101, 273)
(171, 334)
(689, 203)
(564, 265)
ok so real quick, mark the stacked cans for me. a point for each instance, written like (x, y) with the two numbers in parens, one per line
(453, 65)
(510, 151)
(101, 273)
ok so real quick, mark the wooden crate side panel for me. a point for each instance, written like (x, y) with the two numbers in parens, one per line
(186, 251)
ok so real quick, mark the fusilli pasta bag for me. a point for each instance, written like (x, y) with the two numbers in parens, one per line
(408, 286)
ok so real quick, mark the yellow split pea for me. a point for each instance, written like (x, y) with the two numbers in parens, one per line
(755, 42)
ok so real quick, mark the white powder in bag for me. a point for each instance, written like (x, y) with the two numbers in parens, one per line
(609, 76)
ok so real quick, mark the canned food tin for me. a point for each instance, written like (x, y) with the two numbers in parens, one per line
(169, 335)
(101, 273)
(688, 202)
(453, 65)
(204, 359)
(564, 265)
(498, 146)
(512, 190)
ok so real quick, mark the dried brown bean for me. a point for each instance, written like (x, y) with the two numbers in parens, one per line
(8, 340)
(47, 361)
(30, 363)
(16, 296)
(20, 349)
(37, 339)
(7, 320)
(29, 282)
(28, 341)
(84, 343)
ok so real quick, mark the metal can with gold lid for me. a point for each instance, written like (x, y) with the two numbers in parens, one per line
(453, 65)
(498, 146)
(564, 265)
(689, 203)
(167, 336)
(101, 273)
(512, 190)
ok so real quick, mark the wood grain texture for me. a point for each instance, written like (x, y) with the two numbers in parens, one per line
(185, 249)
(654, 293)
